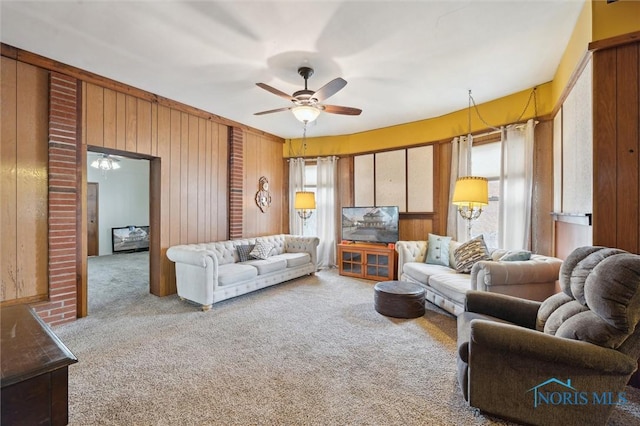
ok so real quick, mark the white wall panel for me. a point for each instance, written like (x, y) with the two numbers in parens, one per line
(363, 180)
(391, 179)
(420, 179)
(577, 147)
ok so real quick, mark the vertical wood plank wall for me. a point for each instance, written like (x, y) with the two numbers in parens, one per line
(616, 144)
(193, 164)
(23, 183)
(263, 157)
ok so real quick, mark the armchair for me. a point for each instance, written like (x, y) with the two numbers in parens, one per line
(563, 361)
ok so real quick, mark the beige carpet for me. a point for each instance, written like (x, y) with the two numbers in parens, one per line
(312, 351)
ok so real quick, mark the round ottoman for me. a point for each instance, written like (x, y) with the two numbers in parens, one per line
(399, 299)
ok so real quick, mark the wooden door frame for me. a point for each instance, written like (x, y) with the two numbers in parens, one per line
(154, 222)
(97, 185)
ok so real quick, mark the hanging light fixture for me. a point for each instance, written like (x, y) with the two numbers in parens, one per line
(305, 113)
(105, 163)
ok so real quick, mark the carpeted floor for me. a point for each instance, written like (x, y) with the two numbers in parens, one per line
(312, 351)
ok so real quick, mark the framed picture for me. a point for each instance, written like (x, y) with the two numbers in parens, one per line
(129, 239)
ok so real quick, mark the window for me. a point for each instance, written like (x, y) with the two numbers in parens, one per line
(485, 161)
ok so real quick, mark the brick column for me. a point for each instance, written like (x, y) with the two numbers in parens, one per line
(236, 182)
(63, 199)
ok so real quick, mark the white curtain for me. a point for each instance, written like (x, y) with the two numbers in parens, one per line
(296, 183)
(460, 166)
(326, 210)
(516, 187)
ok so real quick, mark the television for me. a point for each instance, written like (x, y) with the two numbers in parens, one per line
(375, 224)
(129, 239)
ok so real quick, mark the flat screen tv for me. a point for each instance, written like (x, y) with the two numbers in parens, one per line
(129, 239)
(377, 224)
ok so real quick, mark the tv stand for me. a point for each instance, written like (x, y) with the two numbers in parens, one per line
(367, 260)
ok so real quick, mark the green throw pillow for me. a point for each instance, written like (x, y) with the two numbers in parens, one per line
(438, 250)
(469, 253)
(515, 255)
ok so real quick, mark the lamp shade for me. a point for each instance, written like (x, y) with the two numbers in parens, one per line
(305, 113)
(472, 191)
(305, 200)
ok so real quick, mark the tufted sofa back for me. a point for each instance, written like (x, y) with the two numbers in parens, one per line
(226, 252)
(600, 299)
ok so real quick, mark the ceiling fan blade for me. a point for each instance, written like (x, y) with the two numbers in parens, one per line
(335, 109)
(272, 110)
(329, 89)
(275, 91)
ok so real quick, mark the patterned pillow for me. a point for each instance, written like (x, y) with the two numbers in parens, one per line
(469, 253)
(244, 252)
(261, 250)
(438, 250)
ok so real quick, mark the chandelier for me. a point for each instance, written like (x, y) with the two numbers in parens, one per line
(105, 163)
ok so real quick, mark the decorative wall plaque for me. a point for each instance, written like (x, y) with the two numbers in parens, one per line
(263, 197)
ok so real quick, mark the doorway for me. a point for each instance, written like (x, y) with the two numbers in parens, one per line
(118, 200)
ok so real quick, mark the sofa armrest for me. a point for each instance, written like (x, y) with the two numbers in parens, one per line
(539, 269)
(519, 311)
(301, 244)
(537, 346)
(192, 256)
(410, 251)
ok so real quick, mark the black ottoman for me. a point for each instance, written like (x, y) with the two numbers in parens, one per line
(399, 299)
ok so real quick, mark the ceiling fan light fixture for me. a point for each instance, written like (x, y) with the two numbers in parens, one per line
(105, 163)
(305, 113)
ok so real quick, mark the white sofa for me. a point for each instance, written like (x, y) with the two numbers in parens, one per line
(211, 272)
(533, 279)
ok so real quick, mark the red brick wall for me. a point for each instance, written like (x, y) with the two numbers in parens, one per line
(64, 185)
(236, 182)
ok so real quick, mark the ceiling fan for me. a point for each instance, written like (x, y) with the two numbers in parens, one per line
(307, 104)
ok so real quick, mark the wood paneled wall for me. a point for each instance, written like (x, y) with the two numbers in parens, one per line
(616, 147)
(23, 183)
(263, 157)
(193, 154)
(193, 180)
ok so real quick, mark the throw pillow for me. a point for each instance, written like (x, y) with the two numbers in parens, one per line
(514, 255)
(261, 250)
(469, 253)
(438, 250)
(244, 252)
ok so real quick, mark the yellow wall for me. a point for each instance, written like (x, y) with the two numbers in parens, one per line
(498, 112)
(597, 21)
(574, 52)
(614, 19)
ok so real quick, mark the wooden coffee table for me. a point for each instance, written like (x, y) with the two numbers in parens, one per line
(399, 299)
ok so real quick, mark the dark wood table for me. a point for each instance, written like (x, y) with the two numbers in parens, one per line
(399, 299)
(34, 370)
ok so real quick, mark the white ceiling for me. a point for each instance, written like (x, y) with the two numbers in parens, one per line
(403, 60)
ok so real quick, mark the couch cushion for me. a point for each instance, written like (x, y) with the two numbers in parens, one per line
(452, 285)
(438, 250)
(421, 272)
(232, 273)
(265, 266)
(294, 259)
